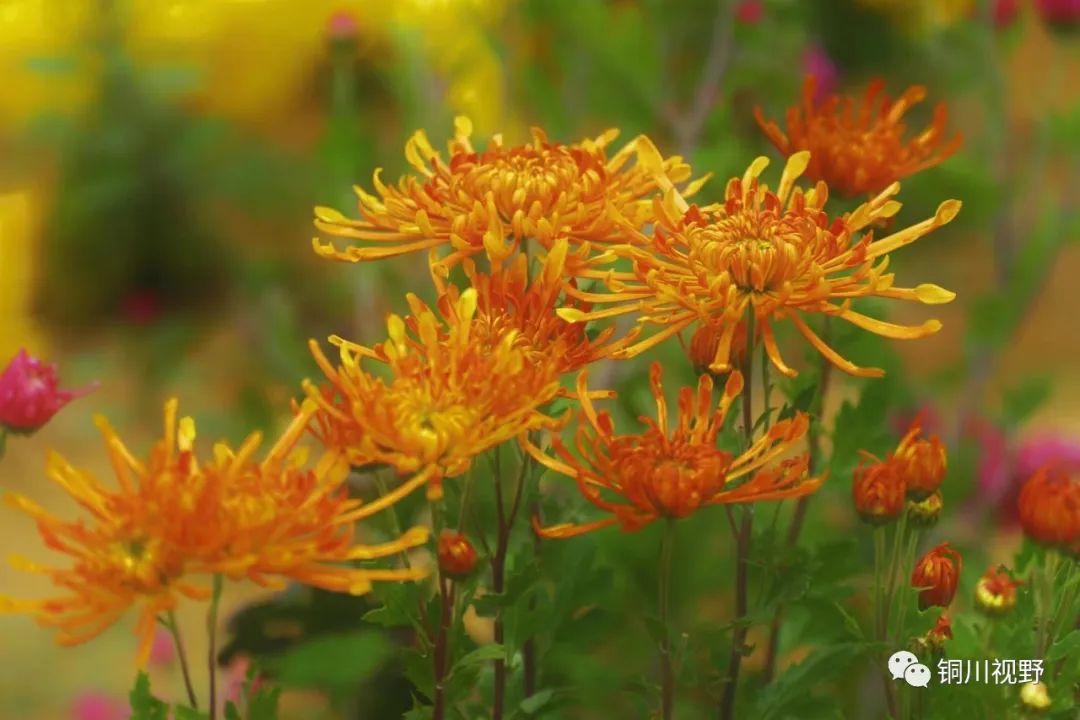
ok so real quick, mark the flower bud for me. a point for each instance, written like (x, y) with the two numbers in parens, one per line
(995, 592)
(922, 462)
(1049, 508)
(924, 513)
(30, 394)
(938, 634)
(706, 338)
(936, 576)
(1034, 696)
(877, 491)
(749, 12)
(457, 556)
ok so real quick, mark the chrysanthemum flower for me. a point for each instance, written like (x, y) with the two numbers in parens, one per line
(492, 200)
(509, 301)
(935, 576)
(995, 592)
(922, 461)
(861, 150)
(172, 518)
(1049, 508)
(774, 255)
(672, 470)
(877, 490)
(448, 399)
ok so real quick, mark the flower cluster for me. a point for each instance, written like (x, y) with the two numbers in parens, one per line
(911, 474)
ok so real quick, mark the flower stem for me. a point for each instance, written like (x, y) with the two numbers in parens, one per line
(446, 604)
(211, 631)
(667, 544)
(742, 543)
(505, 519)
(174, 630)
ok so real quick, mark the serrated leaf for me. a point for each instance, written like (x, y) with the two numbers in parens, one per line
(144, 706)
(1068, 646)
(481, 654)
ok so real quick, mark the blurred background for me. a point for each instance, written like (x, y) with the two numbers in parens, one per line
(159, 160)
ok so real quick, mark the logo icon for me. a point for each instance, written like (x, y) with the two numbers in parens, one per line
(905, 666)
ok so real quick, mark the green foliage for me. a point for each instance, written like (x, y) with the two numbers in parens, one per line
(144, 706)
(334, 662)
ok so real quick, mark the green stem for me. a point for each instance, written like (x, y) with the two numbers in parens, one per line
(1046, 602)
(506, 520)
(174, 630)
(211, 631)
(743, 539)
(442, 633)
(667, 673)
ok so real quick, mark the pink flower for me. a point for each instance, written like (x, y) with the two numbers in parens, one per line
(1047, 449)
(1003, 469)
(341, 25)
(162, 652)
(817, 63)
(749, 12)
(95, 705)
(1059, 12)
(30, 394)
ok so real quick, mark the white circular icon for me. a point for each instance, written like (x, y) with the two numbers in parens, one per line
(900, 661)
(917, 675)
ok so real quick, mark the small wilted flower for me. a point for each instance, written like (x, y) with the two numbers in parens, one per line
(1049, 508)
(878, 492)
(30, 394)
(860, 150)
(922, 462)
(941, 631)
(1034, 696)
(456, 554)
(995, 592)
(936, 575)
(925, 512)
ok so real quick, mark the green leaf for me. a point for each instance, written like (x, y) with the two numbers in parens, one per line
(1068, 646)
(480, 655)
(232, 712)
(144, 706)
(536, 702)
(333, 662)
(263, 703)
(183, 712)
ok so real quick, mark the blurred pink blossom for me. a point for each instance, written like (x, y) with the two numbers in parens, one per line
(30, 394)
(816, 62)
(94, 705)
(1059, 12)
(162, 652)
(1005, 12)
(342, 24)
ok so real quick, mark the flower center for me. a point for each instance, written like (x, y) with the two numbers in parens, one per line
(760, 252)
(668, 477)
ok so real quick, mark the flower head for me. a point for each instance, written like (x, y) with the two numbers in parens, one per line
(995, 592)
(860, 149)
(936, 576)
(774, 255)
(1034, 696)
(922, 462)
(172, 517)
(456, 554)
(452, 394)
(672, 469)
(926, 511)
(30, 394)
(817, 64)
(1059, 14)
(508, 301)
(877, 490)
(1049, 508)
(491, 200)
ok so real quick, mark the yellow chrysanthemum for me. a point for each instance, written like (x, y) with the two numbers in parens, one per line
(172, 518)
(776, 256)
(672, 470)
(492, 200)
(449, 397)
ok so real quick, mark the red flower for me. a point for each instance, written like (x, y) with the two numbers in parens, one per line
(878, 492)
(941, 631)
(1005, 12)
(936, 575)
(1049, 508)
(30, 394)
(749, 12)
(1059, 13)
(922, 461)
(995, 593)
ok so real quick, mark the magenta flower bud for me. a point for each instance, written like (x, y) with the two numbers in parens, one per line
(99, 706)
(342, 25)
(30, 394)
(817, 62)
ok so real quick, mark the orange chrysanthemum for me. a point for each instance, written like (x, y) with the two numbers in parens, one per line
(1049, 508)
(774, 255)
(492, 200)
(508, 301)
(449, 397)
(171, 518)
(877, 490)
(671, 471)
(922, 461)
(935, 576)
(995, 592)
(861, 151)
